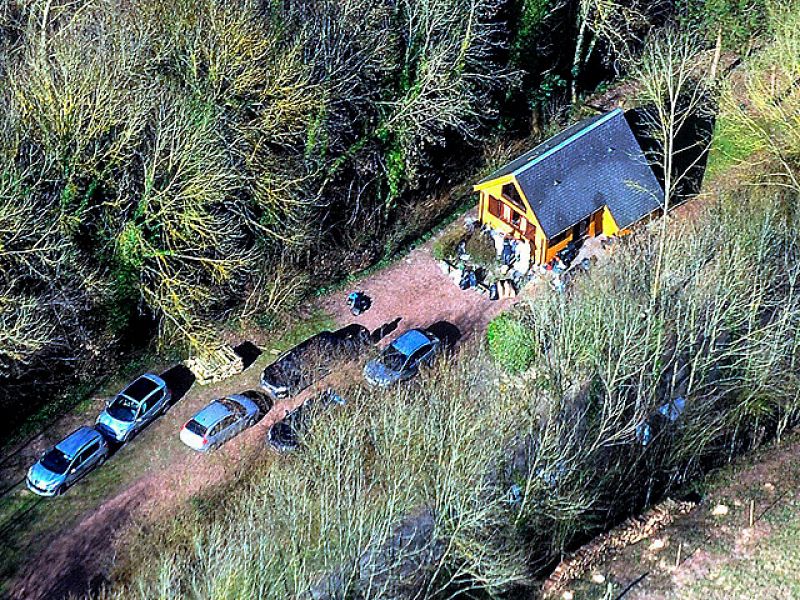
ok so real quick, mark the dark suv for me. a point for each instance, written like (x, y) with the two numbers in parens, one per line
(285, 435)
(311, 360)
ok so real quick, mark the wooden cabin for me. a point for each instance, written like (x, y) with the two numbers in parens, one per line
(590, 179)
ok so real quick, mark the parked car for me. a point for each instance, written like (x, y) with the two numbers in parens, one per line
(65, 463)
(134, 408)
(310, 361)
(220, 421)
(285, 435)
(402, 358)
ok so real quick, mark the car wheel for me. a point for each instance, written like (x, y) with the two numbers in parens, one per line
(102, 460)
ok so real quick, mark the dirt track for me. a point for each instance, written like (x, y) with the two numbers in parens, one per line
(79, 558)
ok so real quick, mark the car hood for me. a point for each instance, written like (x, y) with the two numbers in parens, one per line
(44, 478)
(378, 373)
(119, 428)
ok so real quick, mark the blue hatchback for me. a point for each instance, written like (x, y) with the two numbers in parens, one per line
(402, 358)
(61, 466)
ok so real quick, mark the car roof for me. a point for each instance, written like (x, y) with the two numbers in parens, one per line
(411, 341)
(212, 414)
(142, 387)
(75, 441)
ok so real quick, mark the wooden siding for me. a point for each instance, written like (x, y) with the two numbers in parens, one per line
(496, 211)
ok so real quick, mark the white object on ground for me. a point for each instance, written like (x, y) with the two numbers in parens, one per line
(498, 237)
(522, 264)
(657, 544)
(720, 510)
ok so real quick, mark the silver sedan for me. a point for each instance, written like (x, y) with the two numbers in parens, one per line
(220, 421)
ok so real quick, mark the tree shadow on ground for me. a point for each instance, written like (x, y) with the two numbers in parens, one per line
(692, 143)
(448, 333)
(179, 380)
(261, 399)
(248, 352)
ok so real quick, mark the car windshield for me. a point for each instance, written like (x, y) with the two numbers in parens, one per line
(393, 359)
(140, 389)
(123, 408)
(55, 461)
(196, 428)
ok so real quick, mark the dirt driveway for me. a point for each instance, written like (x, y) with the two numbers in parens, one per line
(416, 291)
(79, 556)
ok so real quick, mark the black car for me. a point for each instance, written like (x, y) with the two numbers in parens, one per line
(311, 360)
(285, 435)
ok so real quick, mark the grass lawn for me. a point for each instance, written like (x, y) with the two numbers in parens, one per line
(771, 571)
(731, 146)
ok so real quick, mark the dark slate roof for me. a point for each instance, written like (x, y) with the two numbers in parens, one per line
(549, 144)
(594, 163)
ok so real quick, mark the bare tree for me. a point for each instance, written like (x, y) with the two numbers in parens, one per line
(761, 112)
(674, 91)
(449, 73)
(619, 26)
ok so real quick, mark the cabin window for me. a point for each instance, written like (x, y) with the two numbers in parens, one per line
(512, 195)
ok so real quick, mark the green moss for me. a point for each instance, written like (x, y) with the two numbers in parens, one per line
(739, 20)
(531, 16)
(731, 145)
(126, 269)
(317, 135)
(395, 172)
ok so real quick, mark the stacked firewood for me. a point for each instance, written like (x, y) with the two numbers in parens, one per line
(216, 365)
(632, 531)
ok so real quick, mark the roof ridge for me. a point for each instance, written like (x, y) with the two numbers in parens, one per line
(575, 136)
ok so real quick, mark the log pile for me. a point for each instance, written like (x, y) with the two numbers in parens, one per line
(221, 363)
(632, 531)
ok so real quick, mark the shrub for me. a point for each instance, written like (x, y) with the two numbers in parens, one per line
(445, 246)
(480, 248)
(510, 343)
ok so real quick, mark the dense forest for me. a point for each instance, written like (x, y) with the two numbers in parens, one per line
(168, 165)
